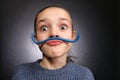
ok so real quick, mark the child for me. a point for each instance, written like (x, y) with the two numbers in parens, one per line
(54, 34)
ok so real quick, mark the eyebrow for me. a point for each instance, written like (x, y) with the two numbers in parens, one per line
(42, 20)
(61, 18)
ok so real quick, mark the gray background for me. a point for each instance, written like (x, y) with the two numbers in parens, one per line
(95, 20)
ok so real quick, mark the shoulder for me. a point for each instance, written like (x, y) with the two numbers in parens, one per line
(81, 68)
(27, 66)
(24, 70)
(83, 71)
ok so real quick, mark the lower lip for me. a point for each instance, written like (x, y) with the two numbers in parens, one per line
(54, 42)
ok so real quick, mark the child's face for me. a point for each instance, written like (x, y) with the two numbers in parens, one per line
(54, 22)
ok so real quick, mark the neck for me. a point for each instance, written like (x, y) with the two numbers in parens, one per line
(53, 63)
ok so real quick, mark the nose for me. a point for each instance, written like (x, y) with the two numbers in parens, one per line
(54, 36)
(53, 33)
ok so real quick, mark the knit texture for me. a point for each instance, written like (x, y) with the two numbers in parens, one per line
(33, 71)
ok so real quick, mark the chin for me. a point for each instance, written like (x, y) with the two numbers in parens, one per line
(55, 51)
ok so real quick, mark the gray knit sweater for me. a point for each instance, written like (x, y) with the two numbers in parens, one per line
(33, 71)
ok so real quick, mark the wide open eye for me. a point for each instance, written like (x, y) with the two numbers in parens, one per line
(63, 27)
(44, 28)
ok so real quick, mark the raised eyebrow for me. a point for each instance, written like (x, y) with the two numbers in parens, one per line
(42, 20)
(61, 18)
(64, 19)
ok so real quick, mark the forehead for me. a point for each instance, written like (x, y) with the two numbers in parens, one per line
(54, 13)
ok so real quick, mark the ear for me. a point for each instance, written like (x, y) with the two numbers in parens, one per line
(73, 34)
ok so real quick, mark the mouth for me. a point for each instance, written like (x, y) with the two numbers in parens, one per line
(54, 42)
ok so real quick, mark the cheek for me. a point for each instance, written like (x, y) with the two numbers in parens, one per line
(41, 37)
(68, 35)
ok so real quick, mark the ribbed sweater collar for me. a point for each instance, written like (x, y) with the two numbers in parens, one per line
(65, 68)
